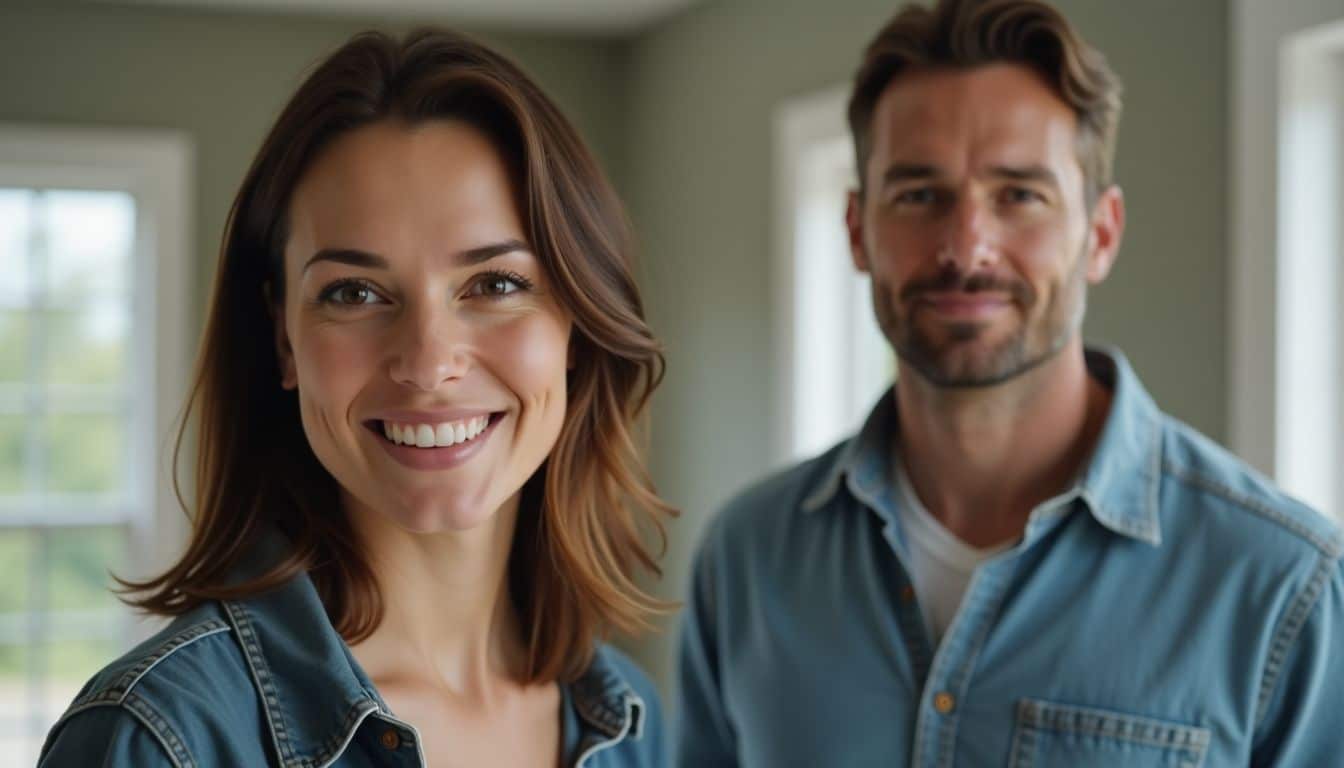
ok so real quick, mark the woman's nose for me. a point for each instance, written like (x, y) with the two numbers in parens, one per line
(429, 348)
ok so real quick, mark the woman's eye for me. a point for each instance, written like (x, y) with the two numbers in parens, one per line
(350, 294)
(497, 285)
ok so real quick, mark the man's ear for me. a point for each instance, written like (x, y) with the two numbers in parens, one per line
(854, 226)
(1105, 231)
(284, 351)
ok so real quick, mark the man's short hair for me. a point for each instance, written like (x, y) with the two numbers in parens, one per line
(963, 34)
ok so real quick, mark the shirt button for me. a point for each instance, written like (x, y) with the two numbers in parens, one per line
(944, 703)
(390, 739)
(907, 594)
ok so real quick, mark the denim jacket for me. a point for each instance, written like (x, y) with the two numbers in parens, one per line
(1171, 608)
(267, 681)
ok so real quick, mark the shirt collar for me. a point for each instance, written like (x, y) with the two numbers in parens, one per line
(1119, 485)
(314, 692)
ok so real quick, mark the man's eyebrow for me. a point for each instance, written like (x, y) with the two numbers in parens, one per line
(908, 171)
(1026, 173)
(358, 258)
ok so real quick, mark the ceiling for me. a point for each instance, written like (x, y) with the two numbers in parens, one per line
(599, 17)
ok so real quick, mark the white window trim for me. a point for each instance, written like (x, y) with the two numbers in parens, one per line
(799, 124)
(156, 167)
(1260, 34)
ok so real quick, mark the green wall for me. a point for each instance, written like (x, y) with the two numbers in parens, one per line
(702, 92)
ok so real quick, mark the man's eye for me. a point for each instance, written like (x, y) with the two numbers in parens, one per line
(921, 196)
(1020, 195)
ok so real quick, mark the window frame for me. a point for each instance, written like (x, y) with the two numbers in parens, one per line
(156, 168)
(1263, 307)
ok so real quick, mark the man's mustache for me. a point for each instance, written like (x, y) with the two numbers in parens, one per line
(954, 280)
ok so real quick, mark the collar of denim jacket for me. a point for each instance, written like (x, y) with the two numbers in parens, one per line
(1119, 484)
(605, 700)
(315, 694)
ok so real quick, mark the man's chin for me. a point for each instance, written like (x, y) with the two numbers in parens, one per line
(962, 366)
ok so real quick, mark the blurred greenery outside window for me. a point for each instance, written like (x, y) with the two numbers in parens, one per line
(93, 234)
(67, 419)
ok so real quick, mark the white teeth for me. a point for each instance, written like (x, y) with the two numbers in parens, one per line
(435, 436)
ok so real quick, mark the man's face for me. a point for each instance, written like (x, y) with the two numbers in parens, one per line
(973, 223)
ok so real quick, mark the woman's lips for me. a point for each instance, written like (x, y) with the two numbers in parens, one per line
(438, 456)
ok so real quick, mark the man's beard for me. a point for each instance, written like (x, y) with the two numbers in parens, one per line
(952, 356)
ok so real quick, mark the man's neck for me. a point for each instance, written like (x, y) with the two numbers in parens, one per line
(981, 459)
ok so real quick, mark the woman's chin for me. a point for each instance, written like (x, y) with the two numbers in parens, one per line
(441, 514)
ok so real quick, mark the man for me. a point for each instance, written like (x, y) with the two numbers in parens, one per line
(1019, 560)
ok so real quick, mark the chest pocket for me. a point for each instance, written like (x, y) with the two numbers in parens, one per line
(1048, 735)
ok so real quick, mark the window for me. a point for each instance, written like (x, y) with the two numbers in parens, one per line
(92, 365)
(836, 362)
(1286, 350)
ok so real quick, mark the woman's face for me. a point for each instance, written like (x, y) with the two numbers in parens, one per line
(427, 348)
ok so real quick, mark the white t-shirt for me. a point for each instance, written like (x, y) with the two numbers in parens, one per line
(941, 565)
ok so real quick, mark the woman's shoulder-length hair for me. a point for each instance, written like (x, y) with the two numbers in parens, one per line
(585, 516)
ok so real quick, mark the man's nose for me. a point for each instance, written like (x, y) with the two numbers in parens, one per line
(969, 242)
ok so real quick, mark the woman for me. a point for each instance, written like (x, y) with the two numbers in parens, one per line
(419, 505)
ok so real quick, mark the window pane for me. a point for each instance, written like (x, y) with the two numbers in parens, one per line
(89, 240)
(78, 565)
(71, 661)
(17, 747)
(13, 343)
(15, 221)
(15, 550)
(86, 347)
(84, 453)
(11, 455)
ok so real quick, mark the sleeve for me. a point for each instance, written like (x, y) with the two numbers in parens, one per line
(705, 737)
(1301, 720)
(103, 737)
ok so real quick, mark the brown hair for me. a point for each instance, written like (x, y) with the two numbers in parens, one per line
(584, 514)
(970, 33)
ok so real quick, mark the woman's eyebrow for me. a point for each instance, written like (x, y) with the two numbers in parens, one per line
(357, 258)
(352, 256)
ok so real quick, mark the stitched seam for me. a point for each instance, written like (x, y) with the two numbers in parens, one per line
(336, 745)
(270, 701)
(163, 732)
(1291, 626)
(1332, 546)
(1024, 740)
(599, 715)
(615, 739)
(118, 690)
(1134, 729)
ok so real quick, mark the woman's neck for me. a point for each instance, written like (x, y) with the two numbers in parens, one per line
(448, 618)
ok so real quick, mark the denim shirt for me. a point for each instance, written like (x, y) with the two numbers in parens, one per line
(267, 681)
(1172, 608)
